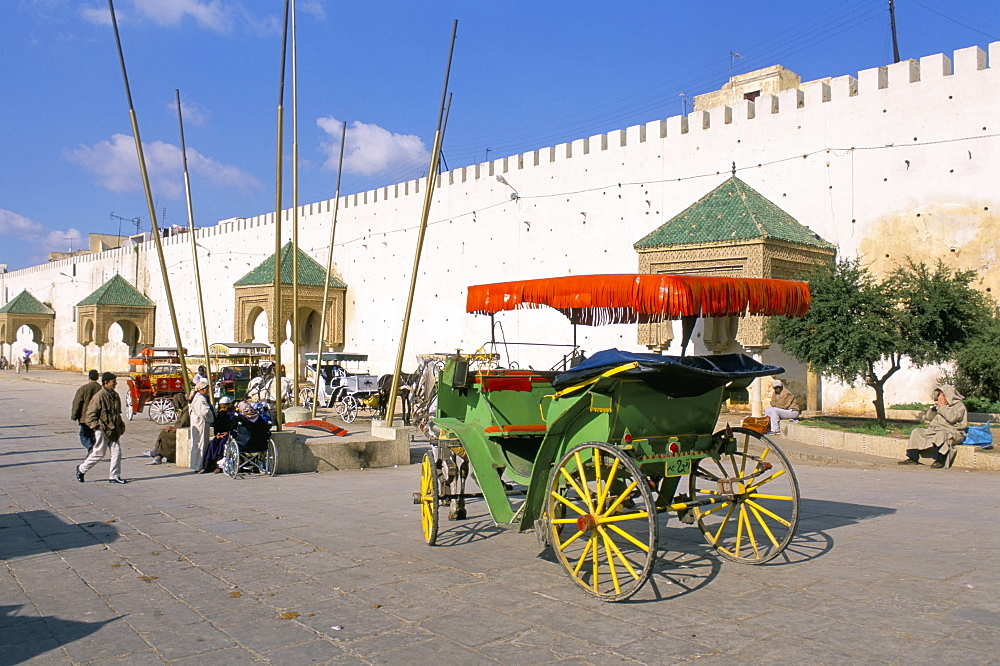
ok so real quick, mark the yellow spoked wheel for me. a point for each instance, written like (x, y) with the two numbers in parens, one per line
(429, 498)
(601, 520)
(752, 499)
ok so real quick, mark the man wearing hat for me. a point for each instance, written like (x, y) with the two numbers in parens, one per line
(202, 417)
(224, 422)
(784, 405)
(104, 416)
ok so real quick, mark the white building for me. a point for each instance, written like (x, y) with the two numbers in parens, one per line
(898, 161)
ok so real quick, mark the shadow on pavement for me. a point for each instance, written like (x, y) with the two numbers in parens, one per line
(32, 640)
(34, 532)
(816, 518)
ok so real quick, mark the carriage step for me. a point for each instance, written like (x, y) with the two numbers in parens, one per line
(319, 425)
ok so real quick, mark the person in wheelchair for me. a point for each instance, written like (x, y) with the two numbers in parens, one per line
(250, 437)
(225, 421)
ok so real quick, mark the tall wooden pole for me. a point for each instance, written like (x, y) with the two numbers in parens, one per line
(892, 25)
(151, 205)
(329, 269)
(194, 245)
(432, 176)
(278, 321)
(295, 212)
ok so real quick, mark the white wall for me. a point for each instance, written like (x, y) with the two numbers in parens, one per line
(900, 161)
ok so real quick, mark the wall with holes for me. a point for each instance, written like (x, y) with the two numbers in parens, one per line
(897, 161)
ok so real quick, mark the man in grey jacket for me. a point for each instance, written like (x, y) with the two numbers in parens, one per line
(104, 416)
(947, 420)
(80, 403)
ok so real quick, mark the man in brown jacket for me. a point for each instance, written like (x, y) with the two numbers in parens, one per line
(104, 415)
(946, 419)
(784, 405)
(80, 403)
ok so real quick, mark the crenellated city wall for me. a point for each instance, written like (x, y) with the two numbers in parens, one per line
(899, 161)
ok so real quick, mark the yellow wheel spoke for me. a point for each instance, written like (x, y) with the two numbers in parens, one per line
(750, 535)
(611, 561)
(725, 521)
(608, 543)
(767, 530)
(568, 503)
(603, 492)
(764, 455)
(625, 516)
(563, 521)
(739, 531)
(767, 480)
(576, 535)
(758, 507)
(585, 493)
(595, 560)
(787, 498)
(570, 481)
(583, 556)
(621, 498)
(628, 536)
(713, 510)
(598, 481)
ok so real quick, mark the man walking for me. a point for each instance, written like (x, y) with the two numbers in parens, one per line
(80, 403)
(104, 415)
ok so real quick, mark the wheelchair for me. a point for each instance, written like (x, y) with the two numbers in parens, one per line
(257, 456)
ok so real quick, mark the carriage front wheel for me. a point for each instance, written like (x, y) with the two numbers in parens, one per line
(752, 499)
(429, 498)
(602, 520)
(348, 408)
(162, 410)
(306, 396)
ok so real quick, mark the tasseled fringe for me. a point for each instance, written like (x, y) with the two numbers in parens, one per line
(595, 300)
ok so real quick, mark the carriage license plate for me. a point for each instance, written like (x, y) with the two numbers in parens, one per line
(678, 466)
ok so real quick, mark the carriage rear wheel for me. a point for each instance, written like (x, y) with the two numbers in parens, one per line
(608, 537)
(162, 410)
(754, 499)
(306, 396)
(348, 408)
(129, 403)
(429, 498)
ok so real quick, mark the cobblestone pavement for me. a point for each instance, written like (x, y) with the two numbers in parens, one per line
(890, 565)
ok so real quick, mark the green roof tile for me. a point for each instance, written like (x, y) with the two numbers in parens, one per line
(310, 272)
(117, 291)
(733, 211)
(25, 303)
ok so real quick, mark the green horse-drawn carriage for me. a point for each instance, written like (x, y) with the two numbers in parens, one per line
(589, 458)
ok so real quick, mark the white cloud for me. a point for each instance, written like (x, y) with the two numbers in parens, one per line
(99, 15)
(369, 148)
(194, 113)
(33, 236)
(13, 224)
(116, 167)
(209, 14)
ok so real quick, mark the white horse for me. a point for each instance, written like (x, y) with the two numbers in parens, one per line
(261, 389)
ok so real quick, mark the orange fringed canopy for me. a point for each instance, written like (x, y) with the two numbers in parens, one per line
(594, 300)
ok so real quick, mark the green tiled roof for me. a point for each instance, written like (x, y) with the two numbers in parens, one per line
(311, 274)
(117, 291)
(733, 211)
(25, 303)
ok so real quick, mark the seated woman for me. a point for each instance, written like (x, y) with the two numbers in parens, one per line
(222, 426)
(947, 419)
(251, 430)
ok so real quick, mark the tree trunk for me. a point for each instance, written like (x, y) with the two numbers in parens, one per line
(879, 402)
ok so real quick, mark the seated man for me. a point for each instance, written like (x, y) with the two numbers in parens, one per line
(784, 405)
(946, 419)
(223, 424)
(166, 442)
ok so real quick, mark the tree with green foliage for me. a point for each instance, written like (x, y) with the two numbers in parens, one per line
(977, 365)
(859, 329)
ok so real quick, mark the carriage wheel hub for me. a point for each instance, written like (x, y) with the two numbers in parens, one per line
(586, 523)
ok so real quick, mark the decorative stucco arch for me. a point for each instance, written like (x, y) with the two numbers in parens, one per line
(116, 302)
(26, 310)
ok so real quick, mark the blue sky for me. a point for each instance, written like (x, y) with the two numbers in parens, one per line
(526, 74)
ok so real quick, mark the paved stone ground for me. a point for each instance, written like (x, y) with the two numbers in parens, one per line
(890, 565)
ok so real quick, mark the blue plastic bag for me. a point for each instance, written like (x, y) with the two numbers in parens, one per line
(979, 435)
